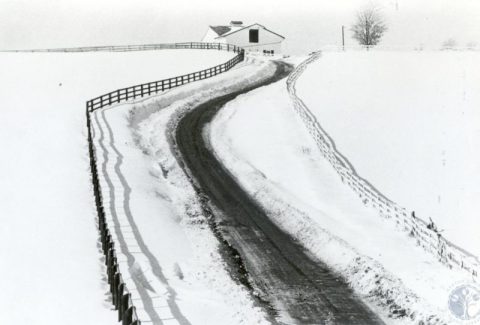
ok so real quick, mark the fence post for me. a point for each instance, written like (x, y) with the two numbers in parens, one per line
(124, 305)
(116, 285)
(120, 291)
(113, 271)
(104, 241)
(128, 316)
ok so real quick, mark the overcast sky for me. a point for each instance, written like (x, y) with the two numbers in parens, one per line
(306, 24)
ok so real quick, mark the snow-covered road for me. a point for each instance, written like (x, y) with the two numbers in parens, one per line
(172, 218)
(301, 289)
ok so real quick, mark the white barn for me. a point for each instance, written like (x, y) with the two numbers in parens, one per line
(253, 38)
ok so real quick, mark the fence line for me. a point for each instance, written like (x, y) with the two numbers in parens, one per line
(155, 87)
(142, 47)
(121, 297)
(426, 234)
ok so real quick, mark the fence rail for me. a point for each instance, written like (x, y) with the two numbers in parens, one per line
(143, 47)
(154, 87)
(425, 233)
(121, 297)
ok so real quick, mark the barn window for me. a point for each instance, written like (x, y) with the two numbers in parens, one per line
(253, 36)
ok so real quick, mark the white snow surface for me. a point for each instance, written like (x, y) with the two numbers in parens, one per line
(52, 268)
(409, 123)
(165, 207)
(260, 139)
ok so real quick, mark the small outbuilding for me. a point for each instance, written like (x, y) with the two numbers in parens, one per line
(253, 38)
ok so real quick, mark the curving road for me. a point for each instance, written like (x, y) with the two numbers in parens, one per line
(294, 286)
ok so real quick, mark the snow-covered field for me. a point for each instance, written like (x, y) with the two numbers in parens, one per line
(51, 267)
(265, 145)
(412, 136)
(409, 123)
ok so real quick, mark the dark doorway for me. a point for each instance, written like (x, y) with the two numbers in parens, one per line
(253, 36)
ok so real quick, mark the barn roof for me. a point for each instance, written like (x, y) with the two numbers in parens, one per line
(220, 30)
(242, 28)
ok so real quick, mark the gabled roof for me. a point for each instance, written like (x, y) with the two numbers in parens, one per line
(220, 30)
(237, 30)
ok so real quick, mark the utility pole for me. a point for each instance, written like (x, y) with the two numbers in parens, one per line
(343, 37)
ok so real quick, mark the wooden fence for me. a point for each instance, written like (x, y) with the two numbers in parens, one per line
(425, 233)
(121, 298)
(154, 87)
(143, 47)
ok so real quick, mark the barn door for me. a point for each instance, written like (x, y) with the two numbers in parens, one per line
(253, 36)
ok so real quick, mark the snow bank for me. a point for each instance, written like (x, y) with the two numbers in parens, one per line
(412, 132)
(265, 145)
(52, 270)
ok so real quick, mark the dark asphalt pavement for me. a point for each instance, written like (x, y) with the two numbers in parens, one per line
(288, 278)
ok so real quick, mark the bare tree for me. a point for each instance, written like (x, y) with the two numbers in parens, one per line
(369, 26)
(449, 44)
